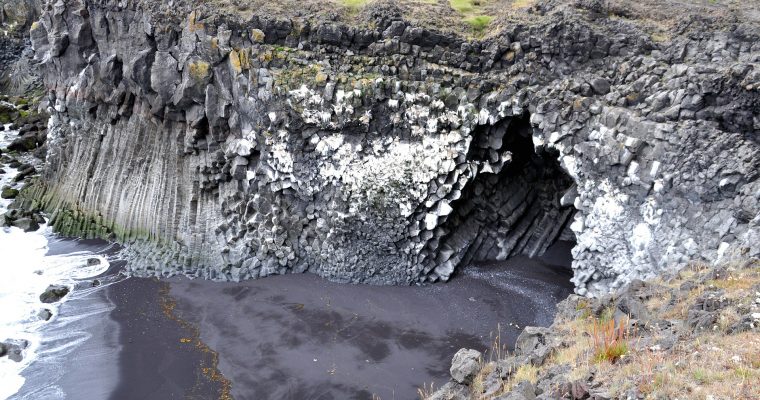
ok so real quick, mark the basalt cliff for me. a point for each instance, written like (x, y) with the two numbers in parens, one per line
(373, 147)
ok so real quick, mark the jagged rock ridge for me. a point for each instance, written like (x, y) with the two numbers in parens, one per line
(391, 153)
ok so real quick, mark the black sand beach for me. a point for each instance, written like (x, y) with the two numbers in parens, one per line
(292, 336)
(160, 357)
(302, 337)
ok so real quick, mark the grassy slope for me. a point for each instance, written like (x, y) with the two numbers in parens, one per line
(702, 365)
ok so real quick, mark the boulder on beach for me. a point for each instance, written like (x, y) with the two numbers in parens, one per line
(8, 113)
(26, 224)
(24, 171)
(9, 193)
(26, 142)
(93, 261)
(465, 365)
(14, 349)
(54, 293)
(44, 314)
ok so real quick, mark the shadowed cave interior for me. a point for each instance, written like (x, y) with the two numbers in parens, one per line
(514, 205)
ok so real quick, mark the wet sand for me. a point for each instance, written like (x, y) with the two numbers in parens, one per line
(130, 346)
(77, 355)
(159, 357)
(302, 337)
(286, 337)
(136, 352)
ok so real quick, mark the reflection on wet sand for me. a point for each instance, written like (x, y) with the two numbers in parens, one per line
(301, 337)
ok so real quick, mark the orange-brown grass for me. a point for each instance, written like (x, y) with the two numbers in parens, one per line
(426, 391)
(610, 341)
(717, 365)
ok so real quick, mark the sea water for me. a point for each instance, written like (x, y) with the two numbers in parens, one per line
(27, 267)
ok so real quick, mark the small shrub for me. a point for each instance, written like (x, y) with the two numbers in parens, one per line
(701, 376)
(610, 341)
(479, 23)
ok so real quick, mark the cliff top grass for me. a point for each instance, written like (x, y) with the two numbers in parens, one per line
(481, 18)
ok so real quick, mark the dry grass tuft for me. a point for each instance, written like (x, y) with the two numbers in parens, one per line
(477, 384)
(527, 372)
(610, 342)
(426, 391)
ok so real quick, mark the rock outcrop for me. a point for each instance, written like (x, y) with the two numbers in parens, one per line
(18, 72)
(390, 153)
(14, 349)
(54, 293)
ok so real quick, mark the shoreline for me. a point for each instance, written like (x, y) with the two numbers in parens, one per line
(339, 341)
(116, 340)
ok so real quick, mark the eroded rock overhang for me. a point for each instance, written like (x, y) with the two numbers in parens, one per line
(230, 150)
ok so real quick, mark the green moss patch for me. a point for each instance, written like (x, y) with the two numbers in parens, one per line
(479, 23)
(9, 193)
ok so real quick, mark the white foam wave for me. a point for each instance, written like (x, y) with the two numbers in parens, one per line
(25, 272)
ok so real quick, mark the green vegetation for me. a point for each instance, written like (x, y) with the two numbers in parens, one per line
(73, 221)
(353, 3)
(462, 6)
(294, 77)
(472, 12)
(479, 23)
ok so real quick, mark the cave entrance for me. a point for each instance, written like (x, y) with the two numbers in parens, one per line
(518, 204)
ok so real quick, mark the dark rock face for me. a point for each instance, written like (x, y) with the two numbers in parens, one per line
(13, 349)
(54, 293)
(17, 72)
(392, 154)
